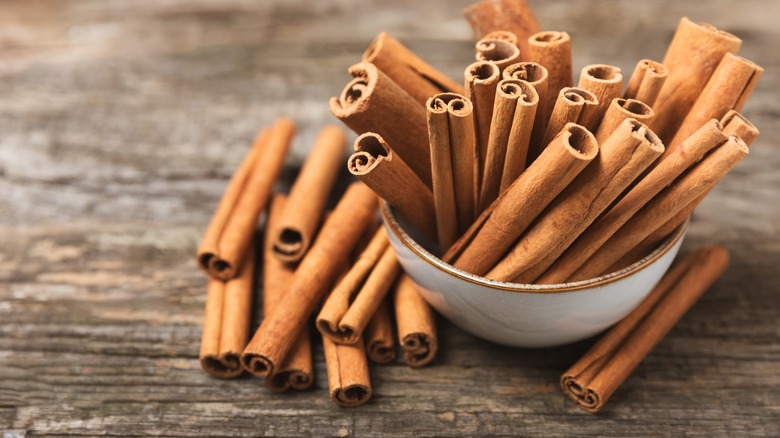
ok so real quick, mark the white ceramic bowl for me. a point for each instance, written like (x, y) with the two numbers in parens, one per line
(526, 315)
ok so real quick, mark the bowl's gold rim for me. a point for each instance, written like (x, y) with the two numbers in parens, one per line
(417, 249)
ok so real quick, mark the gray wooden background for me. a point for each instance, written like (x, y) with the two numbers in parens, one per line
(120, 123)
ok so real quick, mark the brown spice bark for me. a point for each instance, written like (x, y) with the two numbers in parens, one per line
(416, 324)
(621, 109)
(574, 105)
(482, 78)
(536, 75)
(646, 82)
(511, 15)
(380, 344)
(348, 378)
(500, 52)
(606, 83)
(552, 49)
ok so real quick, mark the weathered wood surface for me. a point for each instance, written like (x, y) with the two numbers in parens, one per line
(120, 123)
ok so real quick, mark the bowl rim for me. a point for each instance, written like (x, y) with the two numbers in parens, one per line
(388, 216)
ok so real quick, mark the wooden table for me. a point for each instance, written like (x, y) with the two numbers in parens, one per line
(120, 123)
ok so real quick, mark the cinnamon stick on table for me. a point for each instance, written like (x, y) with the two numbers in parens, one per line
(695, 51)
(271, 343)
(606, 83)
(552, 49)
(536, 75)
(352, 303)
(230, 231)
(511, 15)
(348, 378)
(454, 156)
(384, 172)
(494, 232)
(510, 133)
(687, 155)
(412, 74)
(646, 81)
(378, 336)
(303, 211)
(664, 206)
(594, 378)
(730, 86)
(226, 323)
(416, 324)
(622, 157)
(482, 78)
(296, 371)
(372, 102)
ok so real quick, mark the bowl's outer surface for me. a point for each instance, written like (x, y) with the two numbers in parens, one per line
(517, 318)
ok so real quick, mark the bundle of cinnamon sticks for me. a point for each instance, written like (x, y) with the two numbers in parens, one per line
(339, 259)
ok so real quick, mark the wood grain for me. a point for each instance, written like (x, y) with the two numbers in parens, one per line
(120, 123)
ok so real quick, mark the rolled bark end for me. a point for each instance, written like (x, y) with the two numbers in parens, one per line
(503, 35)
(603, 73)
(586, 398)
(217, 267)
(295, 379)
(419, 349)
(257, 364)
(531, 72)
(481, 72)
(640, 131)
(549, 37)
(351, 99)
(371, 149)
(579, 96)
(708, 28)
(379, 352)
(353, 395)
(735, 123)
(580, 141)
(290, 245)
(225, 367)
(501, 52)
(520, 89)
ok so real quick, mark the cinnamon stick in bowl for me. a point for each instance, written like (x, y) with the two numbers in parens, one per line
(573, 105)
(482, 78)
(416, 324)
(384, 172)
(621, 109)
(350, 306)
(552, 49)
(230, 231)
(536, 75)
(499, 51)
(296, 371)
(646, 81)
(593, 379)
(308, 195)
(271, 343)
(226, 321)
(372, 102)
(410, 72)
(605, 82)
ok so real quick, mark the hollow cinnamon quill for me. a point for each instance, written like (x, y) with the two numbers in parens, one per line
(687, 155)
(730, 86)
(271, 343)
(646, 82)
(606, 83)
(622, 157)
(296, 371)
(226, 322)
(230, 231)
(303, 210)
(498, 51)
(378, 337)
(372, 102)
(552, 49)
(494, 232)
(574, 105)
(536, 75)
(664, 206)
(594, 378)
(511, 15)
(482, 78)
(416, 324)
(695, 51)
(510, 133)
(348, 377)
(621, 109)
(352, 303)
(384, 172)
(410, 72)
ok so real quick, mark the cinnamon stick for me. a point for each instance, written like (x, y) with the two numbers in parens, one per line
(622, 157)
(416, 324)
(730, 86)
(372, 102)
(574, 105)
(503, 35)
(454, 156)
(646, 82)
(499, 51)
(735, 123)
(274, 339)
(353, 302)
(619, 110)
(606, 83)
(695, 51)
(494, 232)
(510, 133)
(308, 195)
(482, 78)
(536, 75)
(664, 206)
(348, 377)
(380, 346)
(230, 231)
(552, 49)
(296, 371)
(687, 155)
(594, 378)
(226, 322)
(384, 172)
(410, 72)
(511, 15)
